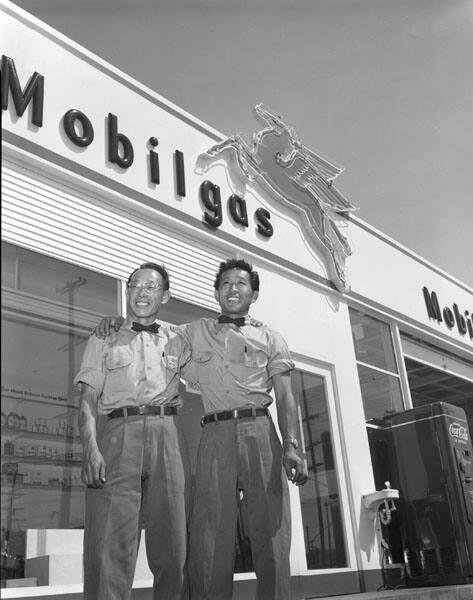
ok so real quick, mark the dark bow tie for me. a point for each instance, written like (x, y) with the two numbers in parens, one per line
(153, 328)
(238, 321)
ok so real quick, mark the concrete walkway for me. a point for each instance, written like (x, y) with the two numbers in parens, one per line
(74, 592)
(450, 592)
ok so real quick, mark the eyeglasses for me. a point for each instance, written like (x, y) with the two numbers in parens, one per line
(150, 286)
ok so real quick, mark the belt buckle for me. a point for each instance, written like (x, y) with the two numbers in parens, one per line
(235, 413)
(141, 410)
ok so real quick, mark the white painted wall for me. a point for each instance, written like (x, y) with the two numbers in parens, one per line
(313, 319)
(393, 277)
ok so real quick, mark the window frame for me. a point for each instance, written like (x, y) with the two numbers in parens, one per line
(437, 359)
(394, 335)
(349, 521)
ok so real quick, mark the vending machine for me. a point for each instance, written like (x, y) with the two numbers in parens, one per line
(426, 453)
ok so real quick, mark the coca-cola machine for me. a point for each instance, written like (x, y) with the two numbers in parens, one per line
(426, 453)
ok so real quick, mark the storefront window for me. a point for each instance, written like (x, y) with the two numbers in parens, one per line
(320, 498)
(429, 385)
(48, 310)
(377, 369)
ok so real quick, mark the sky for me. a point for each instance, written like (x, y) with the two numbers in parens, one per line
(383, 88)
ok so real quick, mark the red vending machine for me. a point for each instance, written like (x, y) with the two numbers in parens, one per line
(428, 457)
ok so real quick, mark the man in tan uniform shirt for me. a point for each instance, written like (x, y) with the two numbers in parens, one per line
(135, 467)
(241, 462)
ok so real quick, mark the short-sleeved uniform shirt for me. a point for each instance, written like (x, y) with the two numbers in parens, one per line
(234, 366)
(131, 368)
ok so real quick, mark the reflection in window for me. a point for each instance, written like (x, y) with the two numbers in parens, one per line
(429, 385)
(47, 314)
(372, 340)
(42, 277)
(381, 393)
(320, 498)
(377, 370)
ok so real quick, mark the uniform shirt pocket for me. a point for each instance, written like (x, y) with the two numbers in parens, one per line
(254, 367)
(119, 375)
(202, 357)
(118, 357)
(255, 359)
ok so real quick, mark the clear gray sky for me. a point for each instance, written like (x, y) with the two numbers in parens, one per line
(381, 87)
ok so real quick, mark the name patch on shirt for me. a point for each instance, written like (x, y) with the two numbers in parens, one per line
(172, 361)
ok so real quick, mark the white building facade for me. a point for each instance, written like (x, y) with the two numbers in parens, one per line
(100, 174)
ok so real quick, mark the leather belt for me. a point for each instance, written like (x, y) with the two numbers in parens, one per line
(237, 413)
(151, 409)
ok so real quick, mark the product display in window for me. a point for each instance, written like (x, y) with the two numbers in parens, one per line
(41, 453)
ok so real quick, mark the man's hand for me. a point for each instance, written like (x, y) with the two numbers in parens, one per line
(107, 325)
(93, 469)
(295, 467)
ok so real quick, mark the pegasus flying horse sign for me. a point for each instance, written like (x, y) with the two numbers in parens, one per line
(299, 179)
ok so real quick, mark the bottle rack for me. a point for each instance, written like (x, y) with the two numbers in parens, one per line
(38, 451)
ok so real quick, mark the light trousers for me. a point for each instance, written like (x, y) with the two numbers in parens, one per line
(146, 482)
(239, 460)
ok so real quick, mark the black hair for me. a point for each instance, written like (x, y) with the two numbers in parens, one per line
(237, 263)
(161, 269)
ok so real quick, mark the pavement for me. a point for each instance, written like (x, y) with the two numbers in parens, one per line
(449, 592)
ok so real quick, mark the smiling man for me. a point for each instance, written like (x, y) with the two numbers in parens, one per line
(241, 461)
(133, 465)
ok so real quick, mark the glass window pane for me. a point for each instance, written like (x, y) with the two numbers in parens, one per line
(52, 279)
(381, 393)
(372, 340)
(320, 498)
(429, 385)
(43, 335)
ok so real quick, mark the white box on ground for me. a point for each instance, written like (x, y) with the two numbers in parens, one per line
(42, 542)
(54, 557)
(55, 569)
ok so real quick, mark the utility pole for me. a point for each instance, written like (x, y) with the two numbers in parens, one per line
(69, 289)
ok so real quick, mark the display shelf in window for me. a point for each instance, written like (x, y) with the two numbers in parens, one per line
(24, 487)
(38, 435)
(24, 476)
(42, 418)
(75, 458)
(40, 448)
